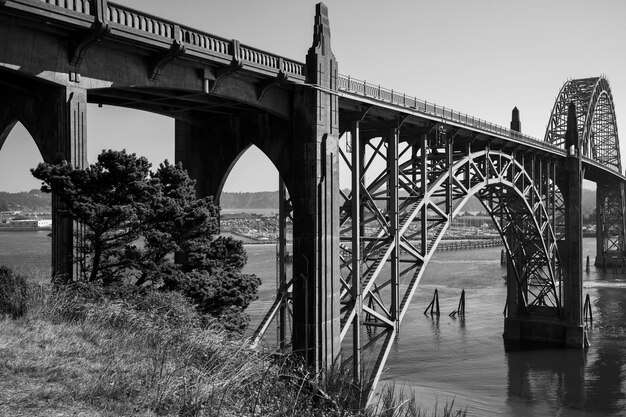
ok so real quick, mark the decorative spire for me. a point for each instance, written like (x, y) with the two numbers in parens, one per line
(320, 51)
(321, 29)
(515, 123)
(571, 134)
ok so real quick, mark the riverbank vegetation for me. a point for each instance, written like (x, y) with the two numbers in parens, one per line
(86, 350)
(148, 229)
(152, 325)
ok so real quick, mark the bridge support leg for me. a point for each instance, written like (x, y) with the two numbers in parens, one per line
(316, 331)
(610, 224)
(67, 236)
(560, 325)
(572, 257)
(55, 116)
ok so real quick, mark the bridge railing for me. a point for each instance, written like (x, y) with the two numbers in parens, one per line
(151, 27)
(80, 6)
(202, 41)
(362, 88)
(139, 21)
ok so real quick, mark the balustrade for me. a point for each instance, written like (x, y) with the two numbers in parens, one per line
(159, 27)
(362, 88)
(80, 6)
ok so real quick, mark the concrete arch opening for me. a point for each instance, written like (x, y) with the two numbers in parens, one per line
(18, 154)
(255, 209)
(140, 132)
(25, 218)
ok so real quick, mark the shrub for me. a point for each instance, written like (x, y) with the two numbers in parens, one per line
(222, 295)
(149, 229)
(13, 293)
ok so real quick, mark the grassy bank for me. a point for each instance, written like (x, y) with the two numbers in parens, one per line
(85, 352)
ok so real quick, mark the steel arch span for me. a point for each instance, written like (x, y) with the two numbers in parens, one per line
(597, 127)
(396, 220)
(597, 141)
(402, 201)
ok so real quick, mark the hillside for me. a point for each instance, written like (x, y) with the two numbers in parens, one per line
(260, 200)
(32, 201)
(35, 200)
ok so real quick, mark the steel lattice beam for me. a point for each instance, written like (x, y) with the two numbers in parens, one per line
(405, 209)
(598, 141)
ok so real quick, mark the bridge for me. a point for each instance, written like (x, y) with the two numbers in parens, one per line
(358, 254)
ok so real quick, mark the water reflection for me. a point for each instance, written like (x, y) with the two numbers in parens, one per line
(436, 331)
(552, 377)
(606, 363)
(582, 383)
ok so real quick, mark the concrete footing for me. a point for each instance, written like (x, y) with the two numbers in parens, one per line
(539, 332)
(611, 260)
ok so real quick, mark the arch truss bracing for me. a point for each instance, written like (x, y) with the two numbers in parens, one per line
(403, 198)
(598, 141)
(395, 215)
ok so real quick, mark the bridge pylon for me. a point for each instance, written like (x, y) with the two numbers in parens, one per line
(314, 191)
(560, 323)
(56, 117)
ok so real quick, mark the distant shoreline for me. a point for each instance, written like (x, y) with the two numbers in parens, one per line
(25, 229)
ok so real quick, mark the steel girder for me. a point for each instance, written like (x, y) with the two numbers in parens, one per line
(597, 128)
(281, 310)
(403, 199)
(598, 141)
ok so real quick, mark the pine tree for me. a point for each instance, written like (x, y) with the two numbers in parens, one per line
(149, 229)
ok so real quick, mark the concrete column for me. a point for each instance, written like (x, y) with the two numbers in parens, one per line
(601, 194)
(514, 294)
(70, 138)
(572, 285)
(316, 333)
(561, 325)
(55, 116)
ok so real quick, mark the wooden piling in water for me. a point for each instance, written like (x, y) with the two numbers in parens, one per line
(587, 267)
(434, 305)
(460, 309)
(587, 310)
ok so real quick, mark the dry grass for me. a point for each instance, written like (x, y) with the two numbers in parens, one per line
(80, 355)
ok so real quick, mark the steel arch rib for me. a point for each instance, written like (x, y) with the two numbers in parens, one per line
(598, 141)
(491, 174)
(587, 94)
(470, 192)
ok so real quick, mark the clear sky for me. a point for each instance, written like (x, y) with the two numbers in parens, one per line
(481, 57)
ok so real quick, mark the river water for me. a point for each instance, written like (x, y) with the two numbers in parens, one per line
(464, 360)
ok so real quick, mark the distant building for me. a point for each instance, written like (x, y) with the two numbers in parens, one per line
(30, 224)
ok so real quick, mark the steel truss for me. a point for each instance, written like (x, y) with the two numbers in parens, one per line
(598, 141)
(281, 310)
(403, 199)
